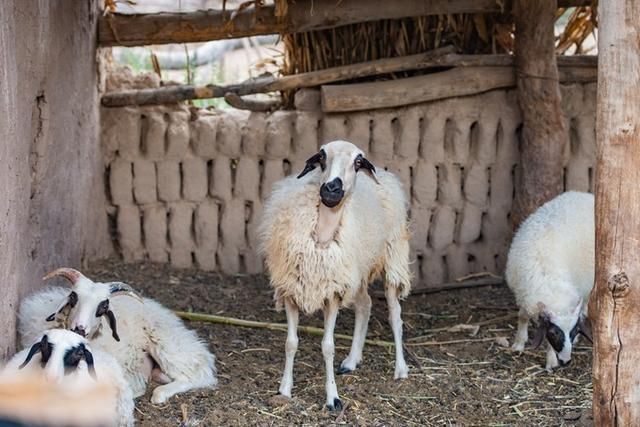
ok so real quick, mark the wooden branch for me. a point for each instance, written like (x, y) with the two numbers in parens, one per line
(236, 101)
(451, 286)
(302, 15)
(580, 68)
(211, 318)
(614, 307)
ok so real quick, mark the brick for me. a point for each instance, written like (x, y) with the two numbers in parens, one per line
(457, 141)
(129, 233)
(358, 130)
(180, 217)
(154, 129)
(194, 179)
(144, 181)
(229, 137)
(484, 140)
(443, 228)
(168, 173)
(255, 135)
(384, 135)
(178, 135)
(232, 224)
(155, 233)
(450, 184)
(476, 185)
(121, 131)
(273, 172)
(121, 182)
(203, 136)
(206, 226)
(420, 224)
(221, 184)
(471, 223)
(247, 181)
(411, 123)
(425, 183)
(305, 139)
(433, 137)
(279, 134)
(333, 127)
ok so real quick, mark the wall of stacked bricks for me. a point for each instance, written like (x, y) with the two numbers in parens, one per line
(186, 186)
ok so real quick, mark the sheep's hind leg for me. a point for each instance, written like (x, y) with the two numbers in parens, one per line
(291, 347)
(395, 320)
(328, 350)
(162, 393)
(522, 335)
(362, 308)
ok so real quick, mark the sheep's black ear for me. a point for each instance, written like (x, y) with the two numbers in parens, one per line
(113, 325)
(44, 347)
(320, 158)
(71, 302)
(584, 328)
(52, 317)
(541, 330)
(88, 357)
(362, 164)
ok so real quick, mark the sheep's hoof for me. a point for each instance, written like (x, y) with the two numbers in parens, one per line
(337, 405)
(342, 370)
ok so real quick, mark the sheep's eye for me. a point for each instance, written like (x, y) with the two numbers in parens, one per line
(73, 299)
(357, 163)
(103, 307)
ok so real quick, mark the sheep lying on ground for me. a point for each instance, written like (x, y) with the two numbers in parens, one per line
(65, 358)
(550, 269)
(326, 235)
(147, 339)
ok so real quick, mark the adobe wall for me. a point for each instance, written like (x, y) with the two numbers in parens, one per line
(186, 186)
(51, 189)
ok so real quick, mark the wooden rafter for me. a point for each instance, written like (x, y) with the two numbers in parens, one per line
(302, 15)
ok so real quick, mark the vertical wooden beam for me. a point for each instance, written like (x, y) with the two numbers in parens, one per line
(544, 131)
(615, 302)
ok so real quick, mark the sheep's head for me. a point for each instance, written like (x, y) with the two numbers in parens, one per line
(88, 303)
(61, 353)
(339, 161)
(561, 330)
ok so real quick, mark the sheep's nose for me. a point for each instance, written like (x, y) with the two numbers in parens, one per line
(331, 192)
(80, 331)
(565, 363)
(334, 185)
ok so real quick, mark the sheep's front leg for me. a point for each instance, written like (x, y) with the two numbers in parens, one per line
(522, 335)
(362, 308)
(328, 350)
(395, 320)
(552, 358)
(291, 347)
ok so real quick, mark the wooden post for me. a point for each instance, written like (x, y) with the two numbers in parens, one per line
(614, 307)
(544, 131)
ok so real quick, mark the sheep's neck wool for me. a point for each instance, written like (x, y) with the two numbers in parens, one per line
(328, 223)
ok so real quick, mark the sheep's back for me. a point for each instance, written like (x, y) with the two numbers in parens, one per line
(551, 258)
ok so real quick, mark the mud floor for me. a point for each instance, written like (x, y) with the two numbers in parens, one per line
(455, 378)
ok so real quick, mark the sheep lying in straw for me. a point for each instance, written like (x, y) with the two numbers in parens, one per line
(65, 359)
(326, 235)
(147, 339)
(550, 269)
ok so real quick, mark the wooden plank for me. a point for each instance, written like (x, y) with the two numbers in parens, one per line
(302, 15)
(544, 131)
(614, 307)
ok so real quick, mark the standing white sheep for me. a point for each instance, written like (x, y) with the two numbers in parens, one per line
(67, 358)
(550, 269)
(147, 339)
(326, 235)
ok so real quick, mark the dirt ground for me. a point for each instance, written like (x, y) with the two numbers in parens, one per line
(455, 378)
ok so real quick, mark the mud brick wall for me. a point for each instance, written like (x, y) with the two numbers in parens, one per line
(187, 186)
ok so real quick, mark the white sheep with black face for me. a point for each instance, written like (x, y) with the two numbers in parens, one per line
(147, 339)
(64, 357)
(550, 269)
(326, 234)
